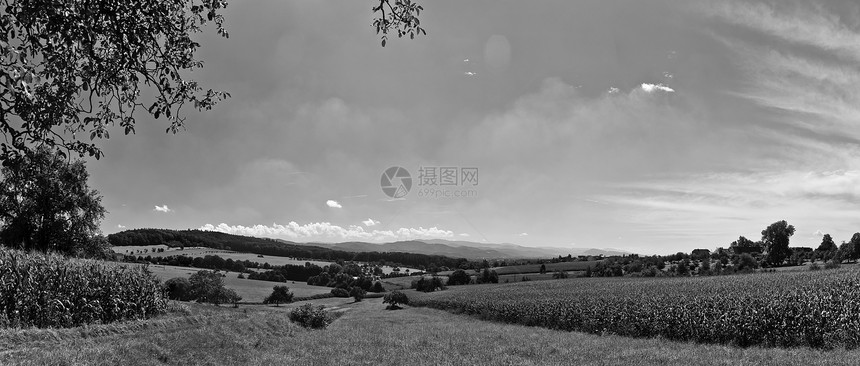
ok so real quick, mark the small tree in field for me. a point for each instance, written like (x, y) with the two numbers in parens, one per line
(280, 294)
(395, 298)
(357, 293)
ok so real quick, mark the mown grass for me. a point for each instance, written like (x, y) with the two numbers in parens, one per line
(367, 334)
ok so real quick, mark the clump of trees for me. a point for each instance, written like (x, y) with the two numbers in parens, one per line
(428, 284)
(46, 205)
(203, 286)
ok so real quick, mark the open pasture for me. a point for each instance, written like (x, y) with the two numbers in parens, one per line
(250, 290)
(819, 309)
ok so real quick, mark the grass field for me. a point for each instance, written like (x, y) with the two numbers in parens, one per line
(151, 250)
(250, 290)
(365, 334)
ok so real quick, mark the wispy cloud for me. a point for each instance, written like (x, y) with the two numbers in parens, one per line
(370, 222)
(803, 23)
(162, 209)
(329, 231)
(333, 204)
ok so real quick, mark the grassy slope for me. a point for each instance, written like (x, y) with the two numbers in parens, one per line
(365, 334)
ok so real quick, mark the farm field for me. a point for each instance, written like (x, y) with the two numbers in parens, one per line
(258, 335)
(151, 250)
(226, 254)
(785, 309)
(550, 267)
(250, 290)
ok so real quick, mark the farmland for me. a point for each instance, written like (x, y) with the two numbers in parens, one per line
(819, 309)
(256, 335)
(250, 290)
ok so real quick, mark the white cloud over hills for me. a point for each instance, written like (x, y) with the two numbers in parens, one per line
(325, 231)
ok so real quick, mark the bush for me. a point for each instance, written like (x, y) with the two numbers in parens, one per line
(280, 294)
(48, 290)
(178, 288)
(395, 298)
(832, 264)
(559, 274)
(814, 267)
(425, 284)
(310, 316)
(357, 293)
(339, 292)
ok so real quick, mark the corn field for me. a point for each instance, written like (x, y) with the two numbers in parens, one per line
(813, 309)
(46, 290)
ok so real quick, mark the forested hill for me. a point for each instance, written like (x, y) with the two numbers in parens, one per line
(248, 244)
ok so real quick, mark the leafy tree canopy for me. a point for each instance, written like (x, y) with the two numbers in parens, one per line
(45, 204)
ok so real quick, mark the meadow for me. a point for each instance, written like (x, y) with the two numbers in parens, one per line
(366, 334)
(819, 309)
(249, 290)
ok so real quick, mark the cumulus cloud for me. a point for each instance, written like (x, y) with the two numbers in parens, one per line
(162, 208)
(650, 88)
(333, 204)
(370, 222)
(524, 234)
(329, 231)
(120, 226)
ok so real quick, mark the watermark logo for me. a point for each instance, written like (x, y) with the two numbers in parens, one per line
(433, 182)
(396, 182)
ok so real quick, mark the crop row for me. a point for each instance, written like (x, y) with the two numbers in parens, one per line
(814, 309)
(46, 290)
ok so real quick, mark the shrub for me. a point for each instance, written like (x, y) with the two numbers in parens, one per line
(814, 267)
(48, 290)
(280, 294)
(178, 288)
(395, 298)
(339, 292)
(310, 316)
(357, 293)
(242, 276)
(559, 274)
(832, 264)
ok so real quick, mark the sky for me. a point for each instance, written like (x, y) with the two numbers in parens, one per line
(647, 126)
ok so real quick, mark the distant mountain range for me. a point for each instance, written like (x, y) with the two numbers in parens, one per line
(465, 249)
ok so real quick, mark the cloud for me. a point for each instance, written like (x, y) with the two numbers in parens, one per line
(370, 222)
(318, 231)
(465, 235)
(795, 22)
(162, 209)
(650, 88)
(524, 234)
(120, 226)
(333, 204)
(818, 233)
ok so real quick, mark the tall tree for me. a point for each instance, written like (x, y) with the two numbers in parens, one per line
(855, 246)
(775, 238)
(45, 204)
(72, 69)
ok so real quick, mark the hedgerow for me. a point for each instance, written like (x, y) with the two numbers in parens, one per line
(48, 290)
(818, 309)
